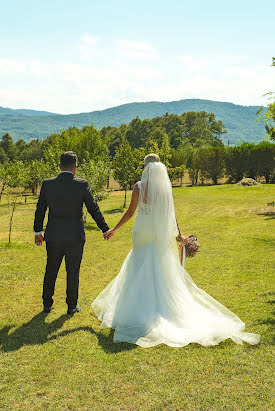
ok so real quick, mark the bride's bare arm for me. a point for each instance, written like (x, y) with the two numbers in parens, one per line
(129, 213)
(180, 238)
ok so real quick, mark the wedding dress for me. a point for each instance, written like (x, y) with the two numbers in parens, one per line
(153, 299)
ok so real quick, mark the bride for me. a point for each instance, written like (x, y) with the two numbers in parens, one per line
(153, 299)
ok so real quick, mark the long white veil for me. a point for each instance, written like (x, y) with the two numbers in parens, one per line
(156, 194)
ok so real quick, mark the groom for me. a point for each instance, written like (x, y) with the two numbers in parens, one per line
(64, 195)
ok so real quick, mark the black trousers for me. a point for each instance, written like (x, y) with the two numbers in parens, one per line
(73, 256)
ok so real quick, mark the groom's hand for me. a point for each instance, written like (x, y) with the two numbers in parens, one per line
(38, 239)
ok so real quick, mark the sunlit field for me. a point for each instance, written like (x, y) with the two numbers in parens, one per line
(58, 362)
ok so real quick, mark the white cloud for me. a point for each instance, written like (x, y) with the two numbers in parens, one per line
(88, 45)
(192, 63)
(137, 71)
(11, 66)
(126, 72)
(229, 78)
(136, 50)
(39, 69)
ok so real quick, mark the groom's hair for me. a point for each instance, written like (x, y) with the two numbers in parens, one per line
(68, 159)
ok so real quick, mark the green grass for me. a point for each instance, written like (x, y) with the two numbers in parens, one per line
(57, 362)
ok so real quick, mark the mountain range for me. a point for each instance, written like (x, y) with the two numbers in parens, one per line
(28, 124)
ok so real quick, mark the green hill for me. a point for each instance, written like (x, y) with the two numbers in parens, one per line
(239, 120)
(23, 111)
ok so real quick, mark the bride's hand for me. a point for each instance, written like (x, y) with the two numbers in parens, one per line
(181, 239)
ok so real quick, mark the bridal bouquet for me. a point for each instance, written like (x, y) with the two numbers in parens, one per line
(191, 245)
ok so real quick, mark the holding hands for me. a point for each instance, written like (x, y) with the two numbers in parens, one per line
(108, 234)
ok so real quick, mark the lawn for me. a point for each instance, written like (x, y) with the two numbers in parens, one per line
(58, 362)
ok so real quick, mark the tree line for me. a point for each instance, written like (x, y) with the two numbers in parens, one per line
(190, 141)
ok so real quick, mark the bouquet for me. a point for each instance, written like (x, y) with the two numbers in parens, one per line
(190, 243)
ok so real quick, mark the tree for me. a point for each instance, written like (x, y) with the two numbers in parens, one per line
(138, 132)
(250, 160)
(14, 180)
(86, 143)
(201, 128)
(178, 162)
(151, 147)
(176, 173)
(8, 147)
(138, 154)
(33, 174)
(51, 156)
(89, 145)
(268, 116)
(264, 157)
(193, 166)
(212, 165)
(20, 145)
(178, 157)
(3, 156)
(96, 173)
(158, 135)
(165, 151)
(175, 127)
(29, 151)
(236, 162)
(125, 165)
(113, 137)
(202, 163)
(3, 178)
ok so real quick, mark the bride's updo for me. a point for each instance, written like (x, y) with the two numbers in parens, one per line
(151, 158)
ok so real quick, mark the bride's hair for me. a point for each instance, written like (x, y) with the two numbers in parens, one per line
(151, 158)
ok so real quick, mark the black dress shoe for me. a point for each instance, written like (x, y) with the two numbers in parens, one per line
(74, 310)
(47, 309)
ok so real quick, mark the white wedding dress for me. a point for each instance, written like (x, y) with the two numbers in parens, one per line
(153, 299)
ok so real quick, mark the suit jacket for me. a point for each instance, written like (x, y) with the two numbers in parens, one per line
(64, 195)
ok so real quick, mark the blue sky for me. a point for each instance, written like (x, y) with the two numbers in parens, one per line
(74, 56)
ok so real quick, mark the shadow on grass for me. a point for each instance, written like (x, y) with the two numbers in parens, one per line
(34, 332)
(264, 241)
(91, 227)
(270, 294)
(114, 211)
(269, 214)
(106, 342)
(38, 332)
(270, 321)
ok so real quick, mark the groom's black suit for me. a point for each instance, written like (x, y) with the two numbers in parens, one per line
(64, 195)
